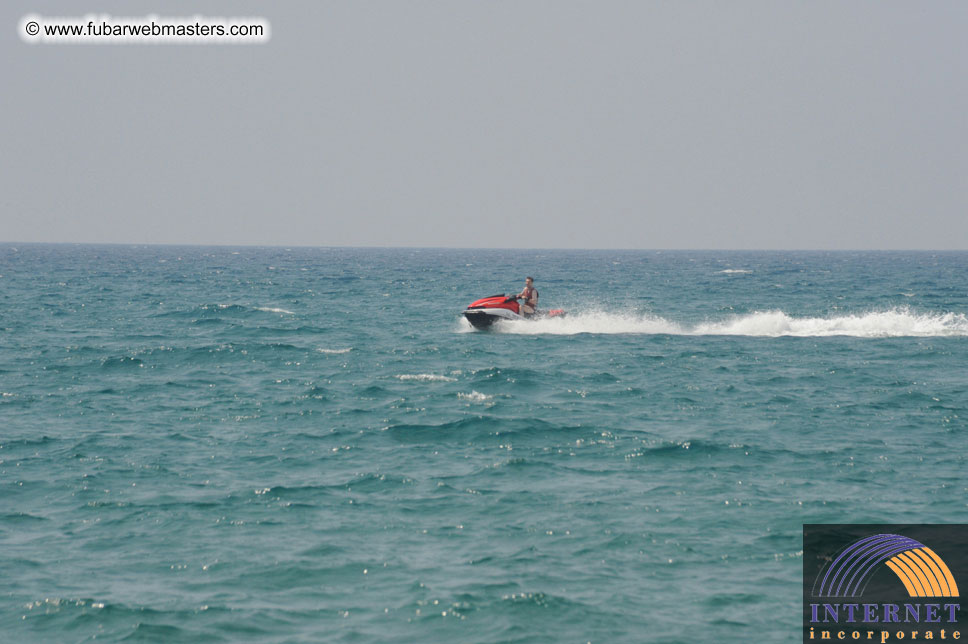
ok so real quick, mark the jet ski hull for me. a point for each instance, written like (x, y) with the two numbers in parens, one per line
(485, 318)
(483, 313)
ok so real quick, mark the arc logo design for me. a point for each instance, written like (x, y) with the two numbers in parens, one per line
(919, 569)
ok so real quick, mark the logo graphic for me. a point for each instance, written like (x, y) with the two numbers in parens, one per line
(919, 568)
(883, 583)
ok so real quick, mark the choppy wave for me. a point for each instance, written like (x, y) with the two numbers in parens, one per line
(334, 351)
(221, 310)
(877, 324)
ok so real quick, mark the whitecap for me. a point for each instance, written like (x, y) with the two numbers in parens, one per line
(474, 396)
(425, 377)
(269, 309)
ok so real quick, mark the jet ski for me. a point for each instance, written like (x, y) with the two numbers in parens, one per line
(486, 311)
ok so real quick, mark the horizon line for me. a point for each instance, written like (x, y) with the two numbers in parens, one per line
(516, 248)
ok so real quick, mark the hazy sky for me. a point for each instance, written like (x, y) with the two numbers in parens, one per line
(670, 124)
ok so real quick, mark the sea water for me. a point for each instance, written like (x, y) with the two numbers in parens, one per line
(310, 445)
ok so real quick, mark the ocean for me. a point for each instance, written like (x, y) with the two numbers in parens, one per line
(215, 444)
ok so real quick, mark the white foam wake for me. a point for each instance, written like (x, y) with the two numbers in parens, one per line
(879, 324)
(591, 322)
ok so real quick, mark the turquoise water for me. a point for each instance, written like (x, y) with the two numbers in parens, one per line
(309, 445)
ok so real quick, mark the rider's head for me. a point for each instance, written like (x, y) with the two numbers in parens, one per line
(529, 281)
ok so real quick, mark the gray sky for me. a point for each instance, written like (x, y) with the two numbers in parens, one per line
(600, 124)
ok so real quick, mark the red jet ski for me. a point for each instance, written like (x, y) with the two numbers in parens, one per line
(494, 308)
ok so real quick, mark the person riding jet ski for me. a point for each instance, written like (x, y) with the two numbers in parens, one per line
(530, 297)
(486, 311)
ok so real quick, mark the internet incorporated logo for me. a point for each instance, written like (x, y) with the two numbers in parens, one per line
(906, 586)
